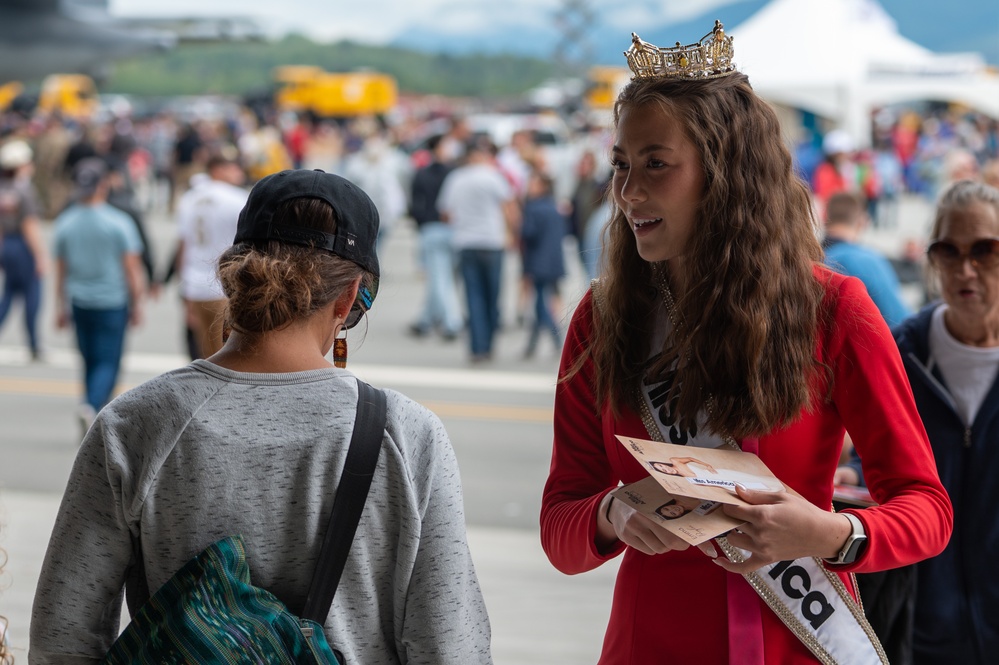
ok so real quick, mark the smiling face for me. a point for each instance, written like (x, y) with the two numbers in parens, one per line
(971, 293)
(658, 181)
(665, 467)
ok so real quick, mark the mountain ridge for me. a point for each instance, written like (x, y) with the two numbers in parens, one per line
(929, 23)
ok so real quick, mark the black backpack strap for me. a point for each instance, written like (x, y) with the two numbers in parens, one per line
(352, 492)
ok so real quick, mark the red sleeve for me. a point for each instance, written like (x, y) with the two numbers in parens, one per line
(581, 473)
(872, 395)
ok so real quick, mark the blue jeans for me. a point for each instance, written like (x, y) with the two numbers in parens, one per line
(441, 304)
(543, 289)
(100, 334)
(21, 280)
(482, 271)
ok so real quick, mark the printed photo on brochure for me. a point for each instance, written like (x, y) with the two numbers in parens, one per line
(710, 474)
(692, 520)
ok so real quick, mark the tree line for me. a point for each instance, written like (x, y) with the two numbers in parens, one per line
(241, 68)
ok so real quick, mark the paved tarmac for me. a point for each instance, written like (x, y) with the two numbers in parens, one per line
(499, 419)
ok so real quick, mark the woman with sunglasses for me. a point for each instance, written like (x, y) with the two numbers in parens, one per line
(251, 441)
(951, 354)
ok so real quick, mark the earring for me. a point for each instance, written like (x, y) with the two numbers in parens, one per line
(340, 351)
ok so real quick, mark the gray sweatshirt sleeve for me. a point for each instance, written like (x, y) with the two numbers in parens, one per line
(68, 626)
(445, 617)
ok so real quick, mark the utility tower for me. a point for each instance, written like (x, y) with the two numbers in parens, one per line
(574, 50)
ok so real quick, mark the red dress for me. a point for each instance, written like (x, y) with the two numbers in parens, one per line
(871, 398)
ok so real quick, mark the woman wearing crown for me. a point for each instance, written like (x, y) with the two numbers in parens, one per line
(714, 297)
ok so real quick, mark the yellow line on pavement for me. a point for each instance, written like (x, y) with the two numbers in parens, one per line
(43, 387)
(529, 414)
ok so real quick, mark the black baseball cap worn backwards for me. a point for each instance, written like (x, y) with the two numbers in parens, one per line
(356, 229)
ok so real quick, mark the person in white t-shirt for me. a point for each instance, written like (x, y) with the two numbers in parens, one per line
(206, 224)
(479, 204)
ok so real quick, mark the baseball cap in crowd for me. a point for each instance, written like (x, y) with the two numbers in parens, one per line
(356, 229)
(14, 154)
(837, 141)
(88, 174)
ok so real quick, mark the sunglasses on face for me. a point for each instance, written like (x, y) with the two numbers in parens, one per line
(365, 297)
(983, 253)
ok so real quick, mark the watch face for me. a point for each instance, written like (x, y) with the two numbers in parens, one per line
(855, 545)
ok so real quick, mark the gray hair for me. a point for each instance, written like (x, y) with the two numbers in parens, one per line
(959, 196)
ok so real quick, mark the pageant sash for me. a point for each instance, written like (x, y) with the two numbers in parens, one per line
(811, 600)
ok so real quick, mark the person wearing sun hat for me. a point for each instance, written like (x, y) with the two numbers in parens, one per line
(252, 439)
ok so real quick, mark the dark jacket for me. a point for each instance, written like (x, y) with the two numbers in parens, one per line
(957, 605)
(542, 232)
(426, 186)
(123, 200)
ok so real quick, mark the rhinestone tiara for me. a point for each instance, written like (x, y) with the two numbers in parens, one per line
(707, 59)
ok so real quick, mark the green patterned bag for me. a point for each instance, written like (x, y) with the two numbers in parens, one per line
(208, 612)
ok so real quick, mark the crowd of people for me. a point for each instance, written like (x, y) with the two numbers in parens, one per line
(155, 158)
(722, 317)
(159, 165)
(908, 153)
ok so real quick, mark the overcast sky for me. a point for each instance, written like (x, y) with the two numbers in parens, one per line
(379, 21)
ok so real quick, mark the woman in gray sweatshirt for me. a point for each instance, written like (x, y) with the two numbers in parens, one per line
(252, 441)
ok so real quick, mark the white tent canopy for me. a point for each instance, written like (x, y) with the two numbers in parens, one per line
(843, 58)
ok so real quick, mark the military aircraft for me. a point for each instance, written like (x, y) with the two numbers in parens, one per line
(41, 37)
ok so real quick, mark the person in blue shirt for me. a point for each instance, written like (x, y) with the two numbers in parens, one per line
(99, 281)
(846, 219)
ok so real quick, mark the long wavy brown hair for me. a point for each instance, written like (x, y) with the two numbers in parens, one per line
(750, 303)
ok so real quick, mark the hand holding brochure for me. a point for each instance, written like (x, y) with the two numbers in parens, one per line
(691, 520)
(687, 485)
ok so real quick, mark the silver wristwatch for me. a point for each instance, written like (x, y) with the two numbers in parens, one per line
(854, 544)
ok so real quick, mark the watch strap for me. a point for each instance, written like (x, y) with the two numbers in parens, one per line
(854, 544)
